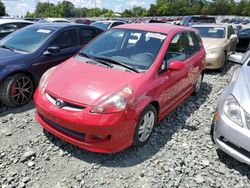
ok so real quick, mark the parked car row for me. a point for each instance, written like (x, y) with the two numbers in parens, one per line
(235, 21)
(108, 94)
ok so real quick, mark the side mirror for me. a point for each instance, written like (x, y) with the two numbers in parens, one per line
(53, 49)
(233, 36)
(176, 65)
(236, 58)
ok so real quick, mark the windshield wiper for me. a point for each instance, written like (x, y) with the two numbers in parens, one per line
(118, 63)
(85, 55)
(95, 59)
(8, 48)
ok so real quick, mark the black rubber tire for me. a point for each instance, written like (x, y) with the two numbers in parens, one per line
(223, 62)
(6, 90)
(196, 92)
(212, 130)
(136, 141)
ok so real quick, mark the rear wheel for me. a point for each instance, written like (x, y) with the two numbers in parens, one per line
(198, 84)
(145, 126)
(16, 90)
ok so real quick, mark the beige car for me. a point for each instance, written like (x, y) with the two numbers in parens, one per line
(219, 41)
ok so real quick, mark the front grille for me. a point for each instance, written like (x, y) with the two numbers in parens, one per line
(235, 147)
(69, 132)
(66, 106)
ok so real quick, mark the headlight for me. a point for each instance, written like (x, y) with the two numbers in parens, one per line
(214, 51)
(233, 110)
(116, 102)
(44, 79)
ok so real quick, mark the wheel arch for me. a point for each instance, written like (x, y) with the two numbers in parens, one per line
(20, 72)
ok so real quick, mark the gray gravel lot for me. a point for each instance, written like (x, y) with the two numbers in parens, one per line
(180, 152)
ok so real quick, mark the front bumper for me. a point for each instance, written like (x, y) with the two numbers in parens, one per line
(102, 133)
(232, 139)
(213, 61)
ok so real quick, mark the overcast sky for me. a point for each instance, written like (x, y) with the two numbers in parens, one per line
(20, 7)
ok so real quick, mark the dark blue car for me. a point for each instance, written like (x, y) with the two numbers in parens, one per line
(26, 54)
(191, 20)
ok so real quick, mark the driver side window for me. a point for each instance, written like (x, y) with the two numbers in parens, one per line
(66, 39)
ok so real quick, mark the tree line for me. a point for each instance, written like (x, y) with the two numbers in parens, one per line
(2, 9)
(159, 8)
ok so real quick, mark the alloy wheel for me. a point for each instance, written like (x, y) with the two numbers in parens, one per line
(146, 126)
(22, 90)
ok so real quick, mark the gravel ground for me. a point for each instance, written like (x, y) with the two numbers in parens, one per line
(180, 152)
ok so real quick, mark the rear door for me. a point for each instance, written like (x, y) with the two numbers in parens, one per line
(194, 58)
(174, 83)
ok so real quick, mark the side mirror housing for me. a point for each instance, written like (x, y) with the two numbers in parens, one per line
(176, 65)
(53, 49)
(236, 58)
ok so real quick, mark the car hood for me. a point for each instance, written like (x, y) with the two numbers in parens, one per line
(87, 84)
(210, 43)
(7, 55)
(241, 90)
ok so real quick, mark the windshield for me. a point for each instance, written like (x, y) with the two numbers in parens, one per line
(26, 40)
(102, 25)
(211, 32)
(131, 47)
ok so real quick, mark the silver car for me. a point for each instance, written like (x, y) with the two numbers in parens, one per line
(231, 126)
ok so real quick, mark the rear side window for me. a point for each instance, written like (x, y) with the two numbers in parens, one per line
(8, 28)
(66, 39)
(21, 25)
(194, 43)
(86, 34)
(116, 24)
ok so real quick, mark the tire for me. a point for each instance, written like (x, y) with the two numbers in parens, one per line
(212, 130)
(142, 135)
(223, 63)
(198, 84)
(16, 90)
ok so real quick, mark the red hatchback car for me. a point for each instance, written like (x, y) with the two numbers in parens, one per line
(112, 93)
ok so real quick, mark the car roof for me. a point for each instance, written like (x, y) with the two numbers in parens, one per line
(58, 26)
(210, 25)
(56, 19)
(5, 21)
(155, 27)
(110, 21)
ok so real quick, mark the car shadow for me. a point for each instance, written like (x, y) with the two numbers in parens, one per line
(162, 134)
(4, 110)
(232, 163)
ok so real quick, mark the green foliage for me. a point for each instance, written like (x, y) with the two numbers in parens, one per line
(2, 9)
(160, 8)
(196, 7)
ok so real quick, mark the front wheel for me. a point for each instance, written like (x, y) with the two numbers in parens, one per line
(16, 90)
(145, 126)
